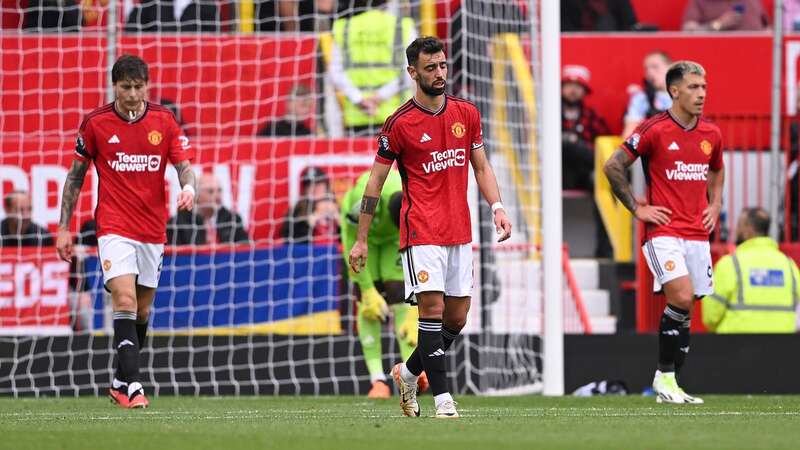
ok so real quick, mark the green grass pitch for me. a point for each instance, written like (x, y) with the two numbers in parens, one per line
(530, 422)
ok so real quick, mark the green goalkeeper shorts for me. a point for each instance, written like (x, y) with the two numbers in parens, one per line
(384, 263)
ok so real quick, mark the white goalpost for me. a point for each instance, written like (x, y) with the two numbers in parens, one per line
(274, 314)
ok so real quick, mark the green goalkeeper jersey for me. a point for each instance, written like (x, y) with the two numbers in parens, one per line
(384, 236)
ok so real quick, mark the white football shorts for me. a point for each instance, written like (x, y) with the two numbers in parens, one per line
(670, 257)
(122, 256)
(446, 269)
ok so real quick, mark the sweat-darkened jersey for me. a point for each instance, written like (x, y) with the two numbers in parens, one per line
(432, 150)
(130, 159)
(676, 161)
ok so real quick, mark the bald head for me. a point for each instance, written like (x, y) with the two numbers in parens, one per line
(209, 194)
(753, 222)
(17, 206)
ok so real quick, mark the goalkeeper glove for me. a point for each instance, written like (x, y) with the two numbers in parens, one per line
(373, 305)
(409, 329)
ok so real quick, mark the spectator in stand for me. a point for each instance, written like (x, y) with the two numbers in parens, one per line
(791, 16)
(315, 217)
(176, 15)
(652, 98)
(580, 125)
(208, 222)
(368, 66)
(80, 297)
(52, 15)
(724, 15)
(17, 229)
(597, 15)
(299, 109)
(298, 15)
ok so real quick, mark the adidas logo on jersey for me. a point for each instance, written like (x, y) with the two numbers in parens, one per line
(438, 352)
(673, 146)
(113, 140)
(424, 138)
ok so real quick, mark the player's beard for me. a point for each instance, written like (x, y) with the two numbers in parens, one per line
(431, 91)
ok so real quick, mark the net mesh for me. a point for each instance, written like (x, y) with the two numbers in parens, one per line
(249, 82)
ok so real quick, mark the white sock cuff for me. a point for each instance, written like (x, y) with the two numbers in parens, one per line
(441, 398)
(377, 377)
(406, 375)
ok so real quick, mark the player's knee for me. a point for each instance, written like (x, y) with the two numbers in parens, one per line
(683, 300)
(455, 323)
(431, 311)
(125, 301)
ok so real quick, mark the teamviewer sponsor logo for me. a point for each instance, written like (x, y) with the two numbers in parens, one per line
(445, 159)
(135, 163)
(688, 172)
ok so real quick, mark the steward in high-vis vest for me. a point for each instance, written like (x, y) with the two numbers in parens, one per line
(755, 287)
(368, 65)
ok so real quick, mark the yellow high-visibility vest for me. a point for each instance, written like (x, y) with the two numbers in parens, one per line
(373, 53)
(755, 291)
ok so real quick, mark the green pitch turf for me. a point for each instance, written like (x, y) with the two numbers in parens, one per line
(619, 423)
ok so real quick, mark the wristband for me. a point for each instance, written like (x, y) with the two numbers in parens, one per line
(189, 188)
(496, 206)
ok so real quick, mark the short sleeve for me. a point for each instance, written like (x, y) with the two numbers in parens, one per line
(85, 148)
(637, 107)
(476, 133)
(716, 161)
(179, 147)
(638, 143)
(387, 147)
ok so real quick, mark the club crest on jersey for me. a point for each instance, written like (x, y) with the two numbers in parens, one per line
(106, 265)
(422, 276)
(669, 265)
(154, 137)
(706, 147)
(458, 129)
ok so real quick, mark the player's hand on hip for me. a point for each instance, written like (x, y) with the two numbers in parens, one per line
(185, 200)
(64, 245)
(710, 216)
(658, 215)
(358, 256)
(502, 225)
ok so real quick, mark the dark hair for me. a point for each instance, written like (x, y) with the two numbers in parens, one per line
(395, 203)
(129, 67)
(759, 219)
(425, 44)
(678, 70)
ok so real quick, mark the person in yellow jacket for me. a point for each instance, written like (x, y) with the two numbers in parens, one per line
(368, 67)
(755, 287)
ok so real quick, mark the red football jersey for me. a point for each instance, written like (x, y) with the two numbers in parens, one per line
(676, 162)
(130, 159)
(432, 150)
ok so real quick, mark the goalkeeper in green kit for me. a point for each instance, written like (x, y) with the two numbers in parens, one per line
(380, 287)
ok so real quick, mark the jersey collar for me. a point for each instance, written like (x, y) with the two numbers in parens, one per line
(428, 111)
(146, 108)
(682, 126)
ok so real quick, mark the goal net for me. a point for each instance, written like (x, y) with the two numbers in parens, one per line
(272, 312)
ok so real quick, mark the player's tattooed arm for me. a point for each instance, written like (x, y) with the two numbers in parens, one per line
(368, 205)
(72, 189)
(616, 172)
(186, 174)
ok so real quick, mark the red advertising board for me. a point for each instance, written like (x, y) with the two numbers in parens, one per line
(33, 292)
